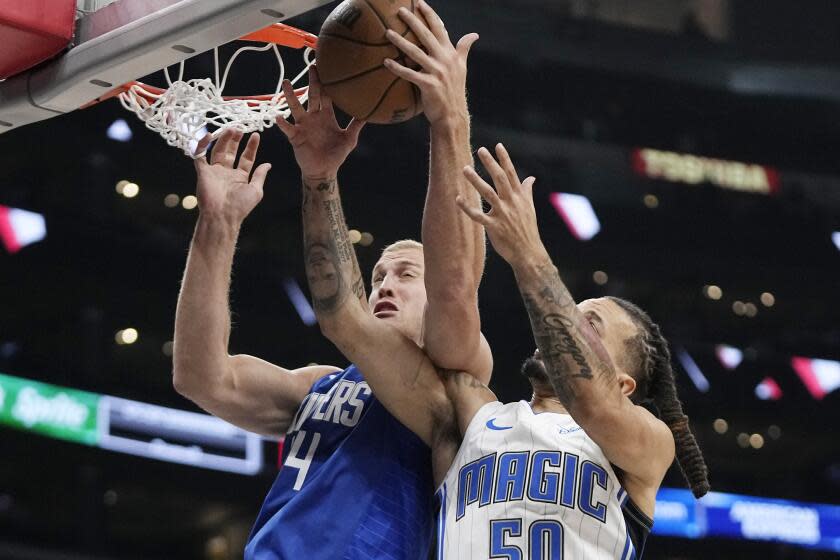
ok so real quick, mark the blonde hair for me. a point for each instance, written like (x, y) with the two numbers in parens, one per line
(403, 244)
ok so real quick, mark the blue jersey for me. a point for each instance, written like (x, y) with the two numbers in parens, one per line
(355, 482)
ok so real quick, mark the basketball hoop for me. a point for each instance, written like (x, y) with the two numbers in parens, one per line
(182, 111)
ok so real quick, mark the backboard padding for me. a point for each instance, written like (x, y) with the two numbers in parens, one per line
(130, 39)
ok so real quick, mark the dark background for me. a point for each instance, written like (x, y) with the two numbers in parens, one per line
(570, 88)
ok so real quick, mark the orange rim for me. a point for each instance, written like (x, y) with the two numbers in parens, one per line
(276, 33)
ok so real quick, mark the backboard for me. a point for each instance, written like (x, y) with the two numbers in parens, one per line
(117, 41)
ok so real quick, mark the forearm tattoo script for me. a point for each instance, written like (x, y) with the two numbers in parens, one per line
(552, 311)
(328, 252)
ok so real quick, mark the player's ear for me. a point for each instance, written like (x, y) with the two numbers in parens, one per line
(627, 384)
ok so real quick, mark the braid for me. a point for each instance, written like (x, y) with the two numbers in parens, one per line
(656, 386)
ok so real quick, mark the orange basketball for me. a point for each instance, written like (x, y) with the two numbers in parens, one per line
(351, 48)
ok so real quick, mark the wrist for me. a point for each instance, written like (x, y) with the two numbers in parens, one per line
(315, 178)
(533, 260)
(310, 174)
(451, 122)
(216, 227)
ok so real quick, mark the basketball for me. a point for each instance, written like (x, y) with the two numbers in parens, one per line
(351, 48)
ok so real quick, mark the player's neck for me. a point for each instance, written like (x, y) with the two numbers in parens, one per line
(547, 403)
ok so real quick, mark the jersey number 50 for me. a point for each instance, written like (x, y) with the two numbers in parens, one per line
(545, 540)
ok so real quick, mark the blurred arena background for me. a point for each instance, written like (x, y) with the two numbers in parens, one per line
(687, 159)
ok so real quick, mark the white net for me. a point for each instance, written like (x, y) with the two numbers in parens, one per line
(184, 112)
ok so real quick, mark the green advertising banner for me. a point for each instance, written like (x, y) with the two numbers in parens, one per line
(47, 409)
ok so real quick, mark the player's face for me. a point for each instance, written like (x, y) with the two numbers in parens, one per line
(611, 324)
(398, 293)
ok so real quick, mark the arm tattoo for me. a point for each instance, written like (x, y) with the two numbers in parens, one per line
(331, 266)
(554, 320)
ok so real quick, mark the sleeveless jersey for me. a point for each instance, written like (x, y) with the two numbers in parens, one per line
(528, 486)
(355, 482)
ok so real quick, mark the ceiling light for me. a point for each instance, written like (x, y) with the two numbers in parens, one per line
(189, 202)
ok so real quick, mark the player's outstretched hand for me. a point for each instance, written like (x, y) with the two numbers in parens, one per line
(227, 189)
(511, 222)
(443, 76)
(320, 145)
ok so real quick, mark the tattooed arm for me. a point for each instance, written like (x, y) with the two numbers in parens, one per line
(399, 372)
(585, 377)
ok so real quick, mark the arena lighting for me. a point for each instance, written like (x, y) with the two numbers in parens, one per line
(835, 237)
(768, 299)
(126, 336)
(132, 427)
(820, 377)
(189, 202)
(366, 240)
(694, 170)
(768, 390)
(119, 131)
(693, 371)
(19, 228)
(736, 516)
(577, 212)
(127, 188)
(729, 356)
(299, 301)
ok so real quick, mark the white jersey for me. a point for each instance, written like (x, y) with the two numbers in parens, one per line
(528, 486)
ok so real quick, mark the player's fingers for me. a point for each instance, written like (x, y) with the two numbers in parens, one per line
(465, 44)
(411, 50)
(327, 106)
(221, 138)
(528, 186)
(258, 179)
(225, 151)
(249, 154)
(314, 97)
(285, 126)
(481, 186)
(422, 31)
(354, 128)
(496, 172)
(436, 25)
(200, 153)
(291, 99)
(475, 214)
(407, 74)
(507, 165)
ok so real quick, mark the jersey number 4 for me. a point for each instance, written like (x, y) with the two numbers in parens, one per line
(545, 540)
(301, 463)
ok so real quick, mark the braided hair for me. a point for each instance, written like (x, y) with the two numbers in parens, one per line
(656, 390)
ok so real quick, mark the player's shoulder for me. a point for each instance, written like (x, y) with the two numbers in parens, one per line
(662, 447)
(317, 374)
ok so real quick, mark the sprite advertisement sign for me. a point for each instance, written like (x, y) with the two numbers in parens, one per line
(50, 410)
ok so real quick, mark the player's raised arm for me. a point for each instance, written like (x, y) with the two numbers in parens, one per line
(400, 374)
(453, 245)
(590, 383)
(243, 390)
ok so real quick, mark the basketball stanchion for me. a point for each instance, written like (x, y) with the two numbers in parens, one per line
(186, 108)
